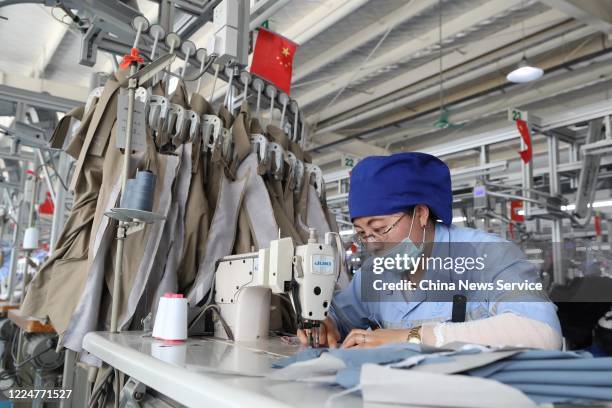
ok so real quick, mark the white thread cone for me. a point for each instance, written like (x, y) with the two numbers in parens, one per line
(30, 238)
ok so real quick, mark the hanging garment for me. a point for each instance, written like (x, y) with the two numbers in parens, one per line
(283, 211)
(258, 210)
(92, 306)
(242, 148)
(63, 127)
(54, 291)
(196, 230)
(301, 208)
(215, 166)
(194, 214)
(163, 276)
(179, 97)
(78, 139)
(162, 138)
(221, 236)
(51, 292)
(201, 107)
(315, 216)
(102, 122)
(144, 244)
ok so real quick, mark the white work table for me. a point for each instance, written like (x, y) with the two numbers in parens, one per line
(201, 372)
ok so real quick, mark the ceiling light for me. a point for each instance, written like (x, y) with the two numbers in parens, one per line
(525, 72)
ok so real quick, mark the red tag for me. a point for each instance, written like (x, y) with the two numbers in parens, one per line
(47, 206)
(523, 129)
(597, 222)
(134, 56)
(515, 206)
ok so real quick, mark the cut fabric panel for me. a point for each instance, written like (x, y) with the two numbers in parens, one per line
(542, 375)
(391, 386)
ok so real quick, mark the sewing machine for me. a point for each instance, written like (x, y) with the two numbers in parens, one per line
(217, 372)
(244, 284)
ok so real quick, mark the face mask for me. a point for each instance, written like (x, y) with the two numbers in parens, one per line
(406, 251)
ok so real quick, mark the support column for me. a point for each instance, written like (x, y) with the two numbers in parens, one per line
(15, 253)
(166, 15)
(527, 177)
(484, 159)
(68, 376)
(557, 224)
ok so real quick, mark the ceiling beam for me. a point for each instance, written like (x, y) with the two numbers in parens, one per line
(494, 62)
(323, 17)
(355, 147)
(49, 47)
(467, 20)
(43, 94)
(422, 135)
(363, 36)
(469, 58)
(518, 96)
(476, 77)
(595, 13)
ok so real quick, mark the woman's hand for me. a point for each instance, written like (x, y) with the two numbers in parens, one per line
(328, 334)
(359, 338)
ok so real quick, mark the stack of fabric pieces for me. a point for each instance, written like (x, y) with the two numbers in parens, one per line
(545, 376)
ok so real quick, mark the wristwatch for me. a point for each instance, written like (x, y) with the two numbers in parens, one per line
(414, 335)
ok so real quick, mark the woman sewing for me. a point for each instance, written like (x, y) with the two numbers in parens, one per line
(401, 208)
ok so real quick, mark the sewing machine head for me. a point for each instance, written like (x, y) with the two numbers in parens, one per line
(308, 273)
(315, 268)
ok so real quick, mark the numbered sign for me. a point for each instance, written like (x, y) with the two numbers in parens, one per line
(516, 114)
(349, 161)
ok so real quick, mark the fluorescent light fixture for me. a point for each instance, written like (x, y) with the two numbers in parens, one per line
(572, 207)
(525, 72)
(347, 232)
(459, 219)
(599, 204)
(596, 204)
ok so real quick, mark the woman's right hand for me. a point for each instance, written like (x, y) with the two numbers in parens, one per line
(328, 334)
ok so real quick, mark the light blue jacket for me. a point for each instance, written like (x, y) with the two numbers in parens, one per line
(503, 261)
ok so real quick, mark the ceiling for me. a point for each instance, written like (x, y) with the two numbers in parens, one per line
(371, 75)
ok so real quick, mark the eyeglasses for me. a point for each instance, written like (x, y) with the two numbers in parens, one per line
(379, 234)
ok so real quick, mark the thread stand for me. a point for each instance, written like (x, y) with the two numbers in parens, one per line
(131, 221)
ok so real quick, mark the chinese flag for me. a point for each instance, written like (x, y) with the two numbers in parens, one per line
(273, 59)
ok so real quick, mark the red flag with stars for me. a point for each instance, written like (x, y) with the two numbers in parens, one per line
(273, 59)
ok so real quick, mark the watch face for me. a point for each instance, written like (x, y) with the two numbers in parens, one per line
(414, 340)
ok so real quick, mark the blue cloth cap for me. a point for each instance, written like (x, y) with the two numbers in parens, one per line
(382, 185)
